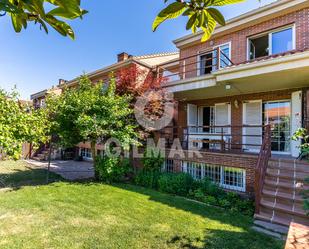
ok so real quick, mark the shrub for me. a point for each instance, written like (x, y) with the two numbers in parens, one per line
(175, 183)
(152, 160)
(152, 163)
(148, 179)
(212, 189)
(112, 169)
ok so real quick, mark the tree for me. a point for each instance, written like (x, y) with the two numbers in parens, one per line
(88, 113)
(43, 12)
(137, 82)
(20, 123)
(201, 14)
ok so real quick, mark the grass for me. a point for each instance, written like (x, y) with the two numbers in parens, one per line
(93, 215)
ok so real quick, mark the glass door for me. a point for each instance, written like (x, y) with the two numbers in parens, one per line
(278, 115)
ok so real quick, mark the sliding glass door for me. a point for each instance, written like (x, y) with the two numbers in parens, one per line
(278, 115)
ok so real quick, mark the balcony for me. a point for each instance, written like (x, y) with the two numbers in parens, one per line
(208, 76)
(245, 139)
(195, 66)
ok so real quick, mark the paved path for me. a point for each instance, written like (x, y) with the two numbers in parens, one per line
(70, 170)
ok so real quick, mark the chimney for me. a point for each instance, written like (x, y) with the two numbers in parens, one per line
(123, 56)
(62, 82)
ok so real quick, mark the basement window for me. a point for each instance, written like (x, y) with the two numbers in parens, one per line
(275, 42)
(226, 177)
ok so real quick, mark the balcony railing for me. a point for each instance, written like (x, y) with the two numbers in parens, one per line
(195, 65)
(228, 138)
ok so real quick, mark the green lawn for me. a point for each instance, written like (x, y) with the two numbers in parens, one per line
(91, 215)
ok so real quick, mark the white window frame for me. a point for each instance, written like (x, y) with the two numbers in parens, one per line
(275, 101)
(195, 167)
(270, 33)
(203, 52)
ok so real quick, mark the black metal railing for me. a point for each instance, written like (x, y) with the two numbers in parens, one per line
(194, 65)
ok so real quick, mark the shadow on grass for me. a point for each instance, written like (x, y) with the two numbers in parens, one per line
(19, 178)
(244, 239)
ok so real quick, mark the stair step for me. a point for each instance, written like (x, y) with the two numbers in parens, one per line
(301, 166)
(285, 208)
(272, 227)
(276, 220)
(269, 233)
(300, 176)
(282, 195)
(285, 184)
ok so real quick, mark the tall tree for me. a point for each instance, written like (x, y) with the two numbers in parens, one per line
(20, 123)
(89, 113)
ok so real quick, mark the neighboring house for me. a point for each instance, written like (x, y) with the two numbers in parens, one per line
(145, 63)
(241, 96)
(39, 99)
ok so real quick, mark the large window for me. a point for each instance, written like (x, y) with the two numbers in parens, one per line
(275, 42)
(226, 177)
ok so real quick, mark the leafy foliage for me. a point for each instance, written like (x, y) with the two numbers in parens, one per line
(152, 163)
(43, 12)
(148, 179)
(152, 160)
(20, 123)
(175, 183)
(201, 14)
(112, 169)
(88, 113)
(302, 135)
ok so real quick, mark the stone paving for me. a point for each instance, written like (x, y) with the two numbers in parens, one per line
(298, 237)
(69, 170)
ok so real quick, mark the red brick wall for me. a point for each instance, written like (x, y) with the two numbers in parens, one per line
(247, 162)
(239, 38)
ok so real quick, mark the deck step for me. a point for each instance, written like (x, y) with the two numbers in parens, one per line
(268, 232)
(285, 208)
(283, 195)
(272, 227)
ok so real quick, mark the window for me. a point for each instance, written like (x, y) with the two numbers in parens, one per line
(168, 166)
(233, 178)
(85, 153)
(226, 177)
(208, 60)
(275, 42)
(42, 103)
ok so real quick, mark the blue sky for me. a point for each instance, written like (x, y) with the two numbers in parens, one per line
(35, 61)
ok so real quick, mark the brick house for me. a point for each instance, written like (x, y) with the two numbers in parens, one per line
(145, 65)
(240, 97)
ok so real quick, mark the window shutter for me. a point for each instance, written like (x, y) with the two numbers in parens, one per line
(252, 115)
(192, 117)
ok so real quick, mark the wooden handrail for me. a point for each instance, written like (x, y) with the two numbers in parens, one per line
(261, 167)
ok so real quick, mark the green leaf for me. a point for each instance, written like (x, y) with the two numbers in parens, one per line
(210, 28)
(17, 23)
(216, 14)
(191, 21)
(225, 2)
(171, 11)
